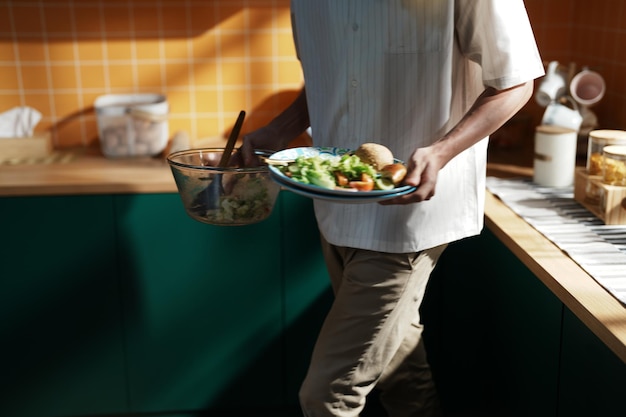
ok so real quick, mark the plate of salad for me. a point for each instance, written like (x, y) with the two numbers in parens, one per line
(335, 174)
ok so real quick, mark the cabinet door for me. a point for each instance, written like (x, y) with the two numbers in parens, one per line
(61, 328)
(307, 288)
(593, 379)
(525, 326)
(493, 330)
(203, 308)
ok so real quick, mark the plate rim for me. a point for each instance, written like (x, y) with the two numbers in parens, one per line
(314, 189)
(359, 199)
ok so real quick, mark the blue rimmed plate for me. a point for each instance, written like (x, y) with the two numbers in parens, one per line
(336, 195)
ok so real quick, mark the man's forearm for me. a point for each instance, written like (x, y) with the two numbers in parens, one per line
(293, 121)
(488, 113)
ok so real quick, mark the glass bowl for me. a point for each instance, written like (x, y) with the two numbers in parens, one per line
(232, 195)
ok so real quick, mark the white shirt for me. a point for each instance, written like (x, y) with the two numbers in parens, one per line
(402, 73)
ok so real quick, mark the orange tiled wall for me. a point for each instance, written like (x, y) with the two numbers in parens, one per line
(587, 33)
(210, 58)
(214, 57)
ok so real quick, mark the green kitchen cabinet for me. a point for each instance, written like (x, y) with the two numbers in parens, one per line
(593, 379)
(203, 308)
(118, 304)
(123, 305)
(496, 343)
(62, 334)
(503, 345)
(307, 289)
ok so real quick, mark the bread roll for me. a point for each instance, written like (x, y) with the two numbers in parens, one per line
(394, 172)
(375, 154)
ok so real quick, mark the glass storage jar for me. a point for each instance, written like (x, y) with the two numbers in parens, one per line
(132, 125)
(614, 165)
(598, 139)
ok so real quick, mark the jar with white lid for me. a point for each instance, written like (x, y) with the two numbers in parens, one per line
(555, 156)
(598, 139)
(614, 165)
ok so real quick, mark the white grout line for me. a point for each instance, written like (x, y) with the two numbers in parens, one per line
(161, 37)
(16, 52)
(150, 33)
(193, 105)
(79, 80)
(143, 3)
(219, 82)
(152, 61)
(178, 88)
(247, 64)
(105, 51)
(275, 49)
(133, 47)
(46, 50)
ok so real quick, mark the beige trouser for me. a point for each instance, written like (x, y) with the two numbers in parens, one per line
(372, 336)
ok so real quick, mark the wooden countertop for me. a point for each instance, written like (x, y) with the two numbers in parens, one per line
(602, 313)
(85, 172)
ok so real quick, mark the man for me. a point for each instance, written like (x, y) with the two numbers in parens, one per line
(430, 80)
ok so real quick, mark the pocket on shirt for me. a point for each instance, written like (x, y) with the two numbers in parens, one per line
(415, 26)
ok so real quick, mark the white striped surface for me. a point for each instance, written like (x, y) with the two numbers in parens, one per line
(598, 248)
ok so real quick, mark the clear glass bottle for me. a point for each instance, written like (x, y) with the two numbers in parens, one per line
(598, 140)
(614, 165)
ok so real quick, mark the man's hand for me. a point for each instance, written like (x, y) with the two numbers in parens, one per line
(264, 138)
(490, 111)
(422, 170)
(276, 136)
